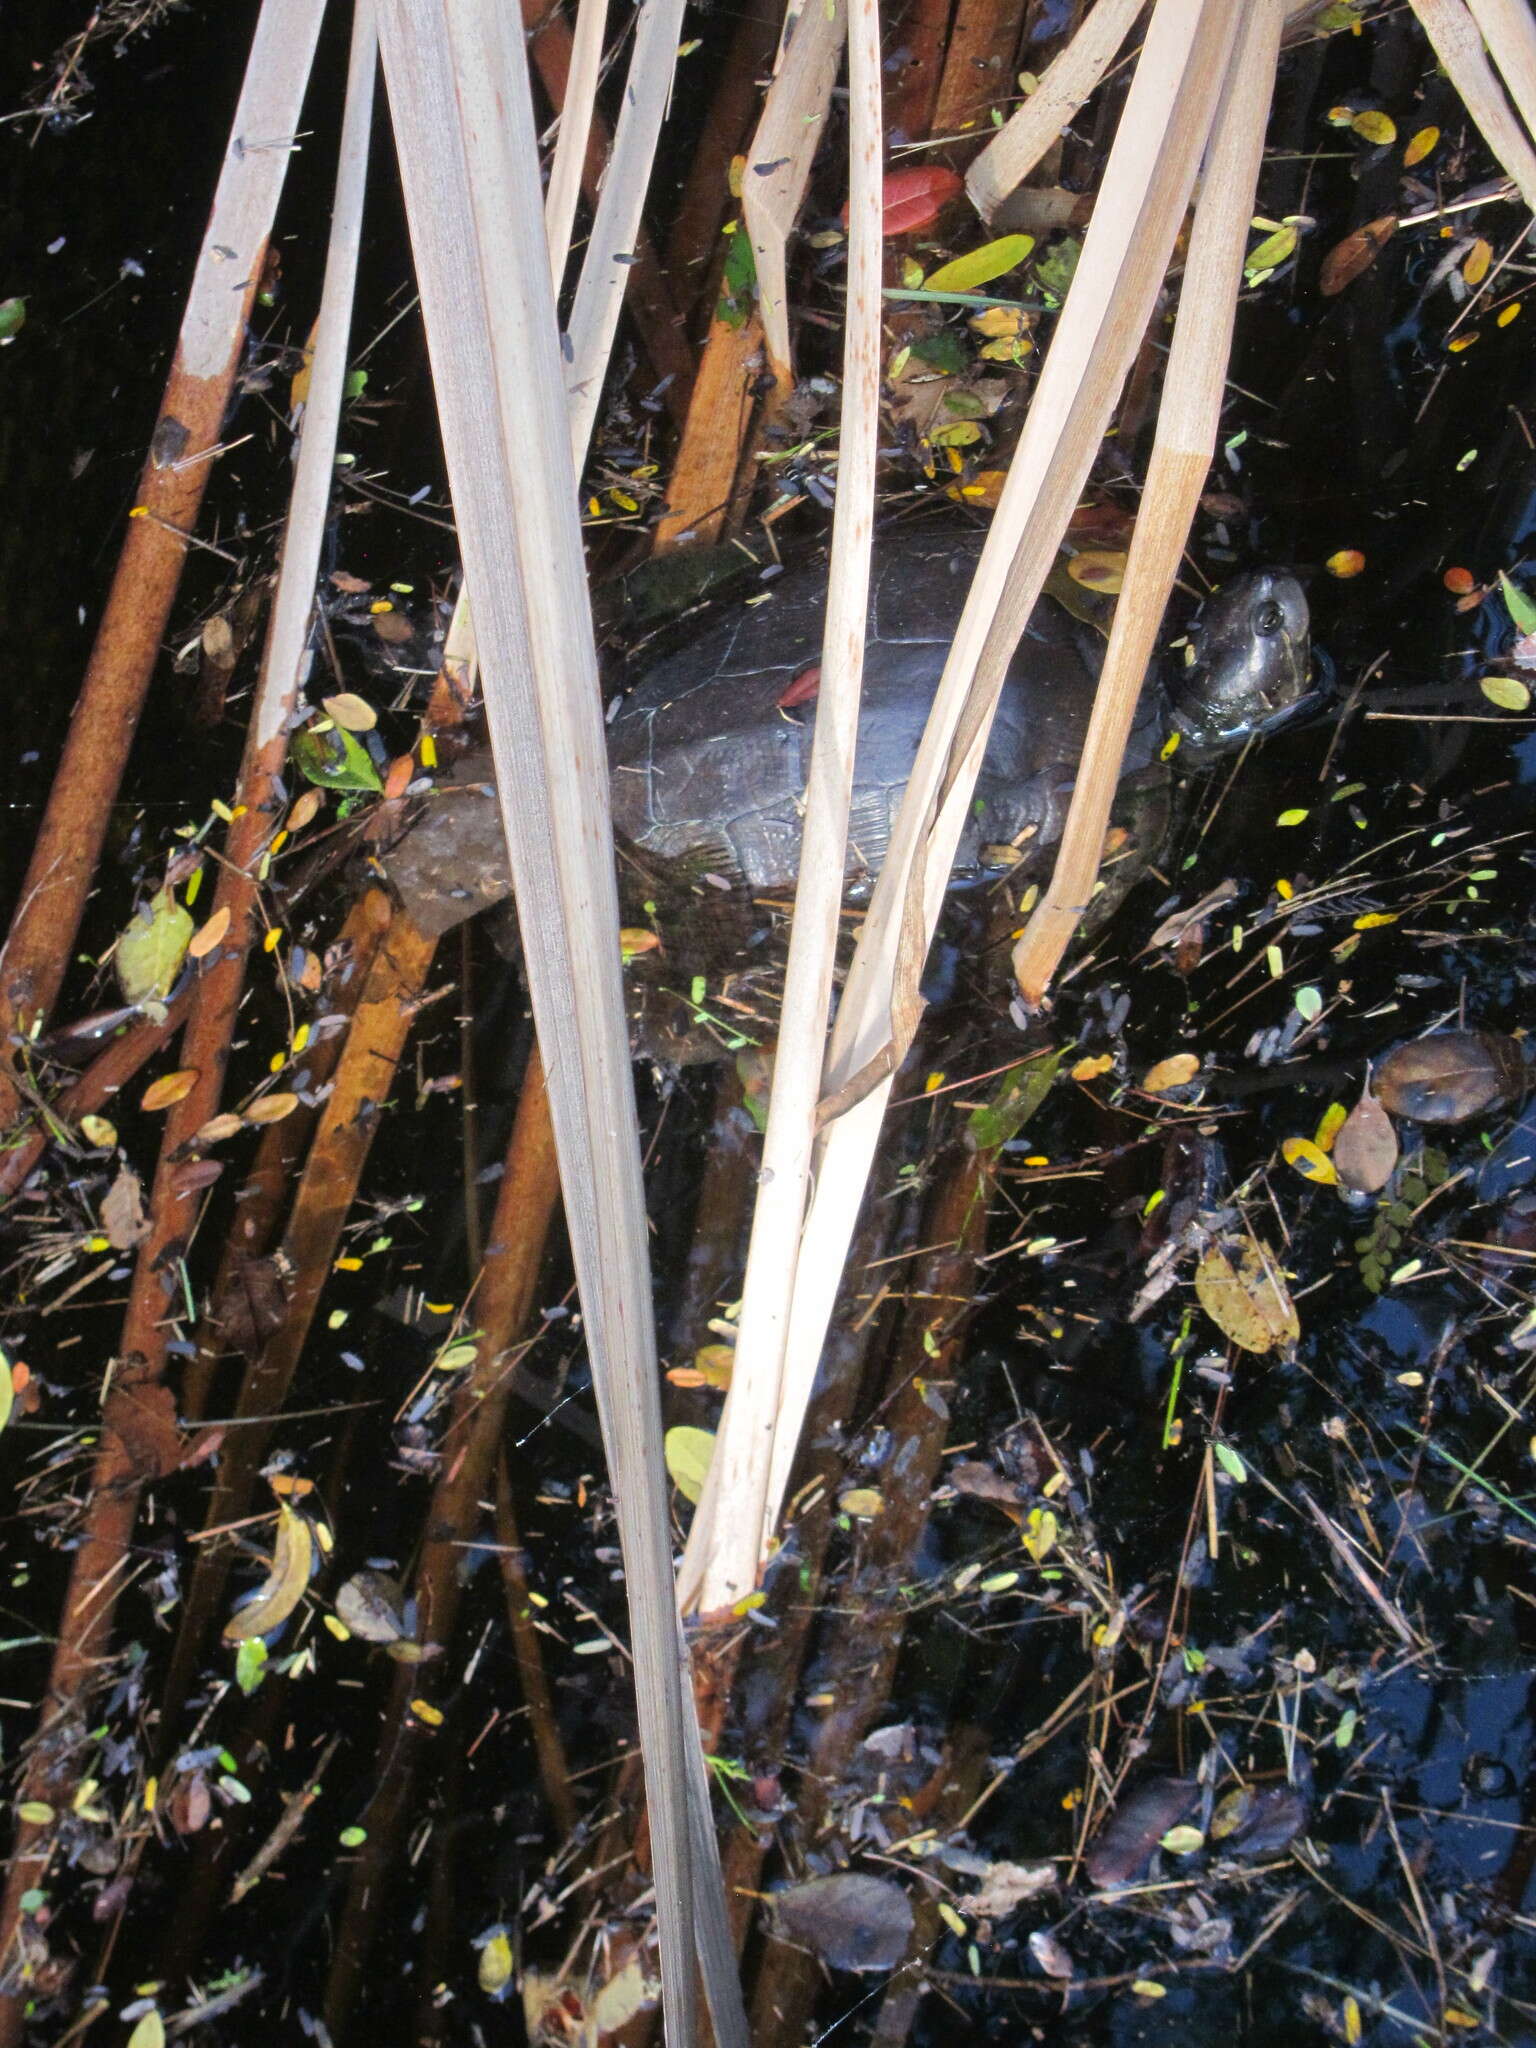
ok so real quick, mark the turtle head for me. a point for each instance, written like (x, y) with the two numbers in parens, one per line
(1247, 661)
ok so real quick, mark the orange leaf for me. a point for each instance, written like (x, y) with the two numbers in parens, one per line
(168, 1089)
(204, 941)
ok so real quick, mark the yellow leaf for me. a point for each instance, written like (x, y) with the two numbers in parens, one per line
(293, 1554)
(1309, 1161)
(428, 1715)
(1091, 1068)
(688, 1452)
(495, 1971)
(1040, 1528)
(1247, 1298)
(1419, 147)
(1328, 1126)
(1508, 692)
(1371, 920)
(713, 1364)
(1344, 563)
(1148, 1987)
(970, 272)
(1182, 1841)
(1479, 258)
(635, 939)
(168, 1089)
(1173, 1072)
(1353, 2027)
(150, 2031)
(97, 1131)
(204, 941)
(1375, 127)
(863, 1503)
(1100, 569)
(1000, 323)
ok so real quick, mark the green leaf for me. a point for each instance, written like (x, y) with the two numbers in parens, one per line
(7, 1390)
(250, 1665)
(688, 1452)
(1309, 1001)
(1508, 692)
(981, 266)
(1274, 250)
(1231, 1463)
(1017, 1096)
(149, 954)
(333, 759)
(1056, 269)
(150, 2031)
(13, 317)
(1522, 608)
(738, 282)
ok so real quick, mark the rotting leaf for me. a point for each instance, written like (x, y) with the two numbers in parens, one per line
(1246, 1296)
(1017, 1096)
(1365, 1152)
(149, 954)
(1352, 257)
(293, 1556)
(122, 1211)
(1006, 1885)
(1125, 1845)
(688, 1452)
(851, 1920)
(252, 1304)
(1448, 1076)
(371, 1605)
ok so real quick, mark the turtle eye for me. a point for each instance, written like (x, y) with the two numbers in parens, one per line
(1269, 617)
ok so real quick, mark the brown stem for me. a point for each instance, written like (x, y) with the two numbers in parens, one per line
(525, 1208)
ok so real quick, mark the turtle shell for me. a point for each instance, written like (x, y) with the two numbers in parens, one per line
(710, 766)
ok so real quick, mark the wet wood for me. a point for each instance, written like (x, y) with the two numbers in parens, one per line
(712, 478)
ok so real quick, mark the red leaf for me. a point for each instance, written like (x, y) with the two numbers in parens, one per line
(912, 198)
(801, 689)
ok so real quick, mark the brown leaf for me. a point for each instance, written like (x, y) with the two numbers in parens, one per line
(190, 1804)
(271, 1109)
(1125, 1844)
(393, 628)
(852, 1920)
(141, 1413)
(252, 1305)
(1352, 257)
(1365, 1151)
(1051, 1955)
(1448, 1076)
(1246, 1297)
(122, 1211)
(293, 1553)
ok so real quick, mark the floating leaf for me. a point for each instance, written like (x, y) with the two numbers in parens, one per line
(1522, 607)
(293, 1555)
(981, 266)
(1276, 248)
(271, 1109)
(1309, 1002)
(122, 1211)
(1055, 270)
(863, 1503)
(1017, 1096)
(1296, 817)
(1007, 1885)
(7, 1390)
(1419, 147)
(1182, 1841)
(1052, 1956)
(149, 2032)
(1091, 1068)
(333, 759)
(1352, 257)
(1365, 1151)
(1344, 563)
(250, 1665)
(1508, 692)
(494, 1974)
(1098, 569)
(1176, 1071)
(13, 317)
(371, 1606)
(1479, 259)
(37, 1813)
(1125, 1844)
(351, 712)
(168, 1089)
(1447, 1076)
(851, 1920)
(149, 954)
(1246, 1296)
(98, 1131)
(1309, 1160)
(688, 1452)
(210, 935)
(914, 198)
(1375, 127)
(1040, 1530)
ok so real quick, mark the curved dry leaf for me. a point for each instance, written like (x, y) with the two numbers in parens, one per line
(1246, 1297)
(1447, 1076)
(170, 1088)
(204, 941)
(1174, 1072)
(1365, 1151)
(271, 1109)
(293, 1555)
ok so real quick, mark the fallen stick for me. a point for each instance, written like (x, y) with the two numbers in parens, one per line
(1065, 84)
(168, 498)
(1454, 37)
(1194, 387)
